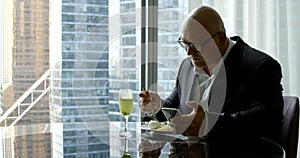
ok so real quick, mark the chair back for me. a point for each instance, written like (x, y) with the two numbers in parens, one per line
(290, 126)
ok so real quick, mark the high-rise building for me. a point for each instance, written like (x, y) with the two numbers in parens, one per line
(1, 42)
(123, 59)
(1, 53)
(1, 100)
(31, 43)
(79, 91)
(28, 57)
(171, 14)
(6, 50)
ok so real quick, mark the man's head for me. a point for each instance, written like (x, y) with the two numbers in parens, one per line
(203, 37)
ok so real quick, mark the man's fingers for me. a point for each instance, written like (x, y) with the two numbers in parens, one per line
(145, 97)
(145, 94)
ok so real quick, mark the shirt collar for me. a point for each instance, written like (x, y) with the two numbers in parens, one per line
(230, 45)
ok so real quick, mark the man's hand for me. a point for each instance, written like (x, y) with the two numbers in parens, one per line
(189, 124)
(149, 101)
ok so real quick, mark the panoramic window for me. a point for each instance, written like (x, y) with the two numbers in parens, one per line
(64, 62)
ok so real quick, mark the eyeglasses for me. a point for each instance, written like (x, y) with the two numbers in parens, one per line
(195, 46)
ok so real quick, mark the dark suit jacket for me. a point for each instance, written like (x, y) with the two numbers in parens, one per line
(248, 92)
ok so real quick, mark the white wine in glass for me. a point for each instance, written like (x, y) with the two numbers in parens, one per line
(125, 105)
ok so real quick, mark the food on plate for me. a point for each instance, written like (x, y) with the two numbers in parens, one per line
(164, 128)
(146, 96)
(155, 125)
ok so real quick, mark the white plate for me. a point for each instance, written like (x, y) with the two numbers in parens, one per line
(146, 128)
(153, 136)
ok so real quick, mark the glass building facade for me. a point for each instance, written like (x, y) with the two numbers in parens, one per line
(123, 59)
(169, 54)
(1, 51)
(79, 99)
(1, 43)
(30, 60)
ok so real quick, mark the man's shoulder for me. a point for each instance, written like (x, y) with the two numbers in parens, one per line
(186, 66)
(187, 62)
(249, 59)
(253, 55)
(250, 54)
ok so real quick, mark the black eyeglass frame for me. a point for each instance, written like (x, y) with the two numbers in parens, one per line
(195, 46)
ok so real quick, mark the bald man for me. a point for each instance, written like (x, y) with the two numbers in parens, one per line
(225, 89)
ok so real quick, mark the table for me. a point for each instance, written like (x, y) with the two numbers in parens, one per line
(153, 144)
(101, 139)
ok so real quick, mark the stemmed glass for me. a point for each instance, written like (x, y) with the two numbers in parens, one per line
(125, 104)
(126, 153)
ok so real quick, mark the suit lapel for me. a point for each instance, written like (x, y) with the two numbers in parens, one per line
(225, 81)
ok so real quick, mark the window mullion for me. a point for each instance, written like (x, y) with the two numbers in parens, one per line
(143, 45)
(151, 46)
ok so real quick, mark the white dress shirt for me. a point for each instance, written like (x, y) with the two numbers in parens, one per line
(201, 88)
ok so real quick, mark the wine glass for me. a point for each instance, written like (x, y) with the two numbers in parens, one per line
(125, 105)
